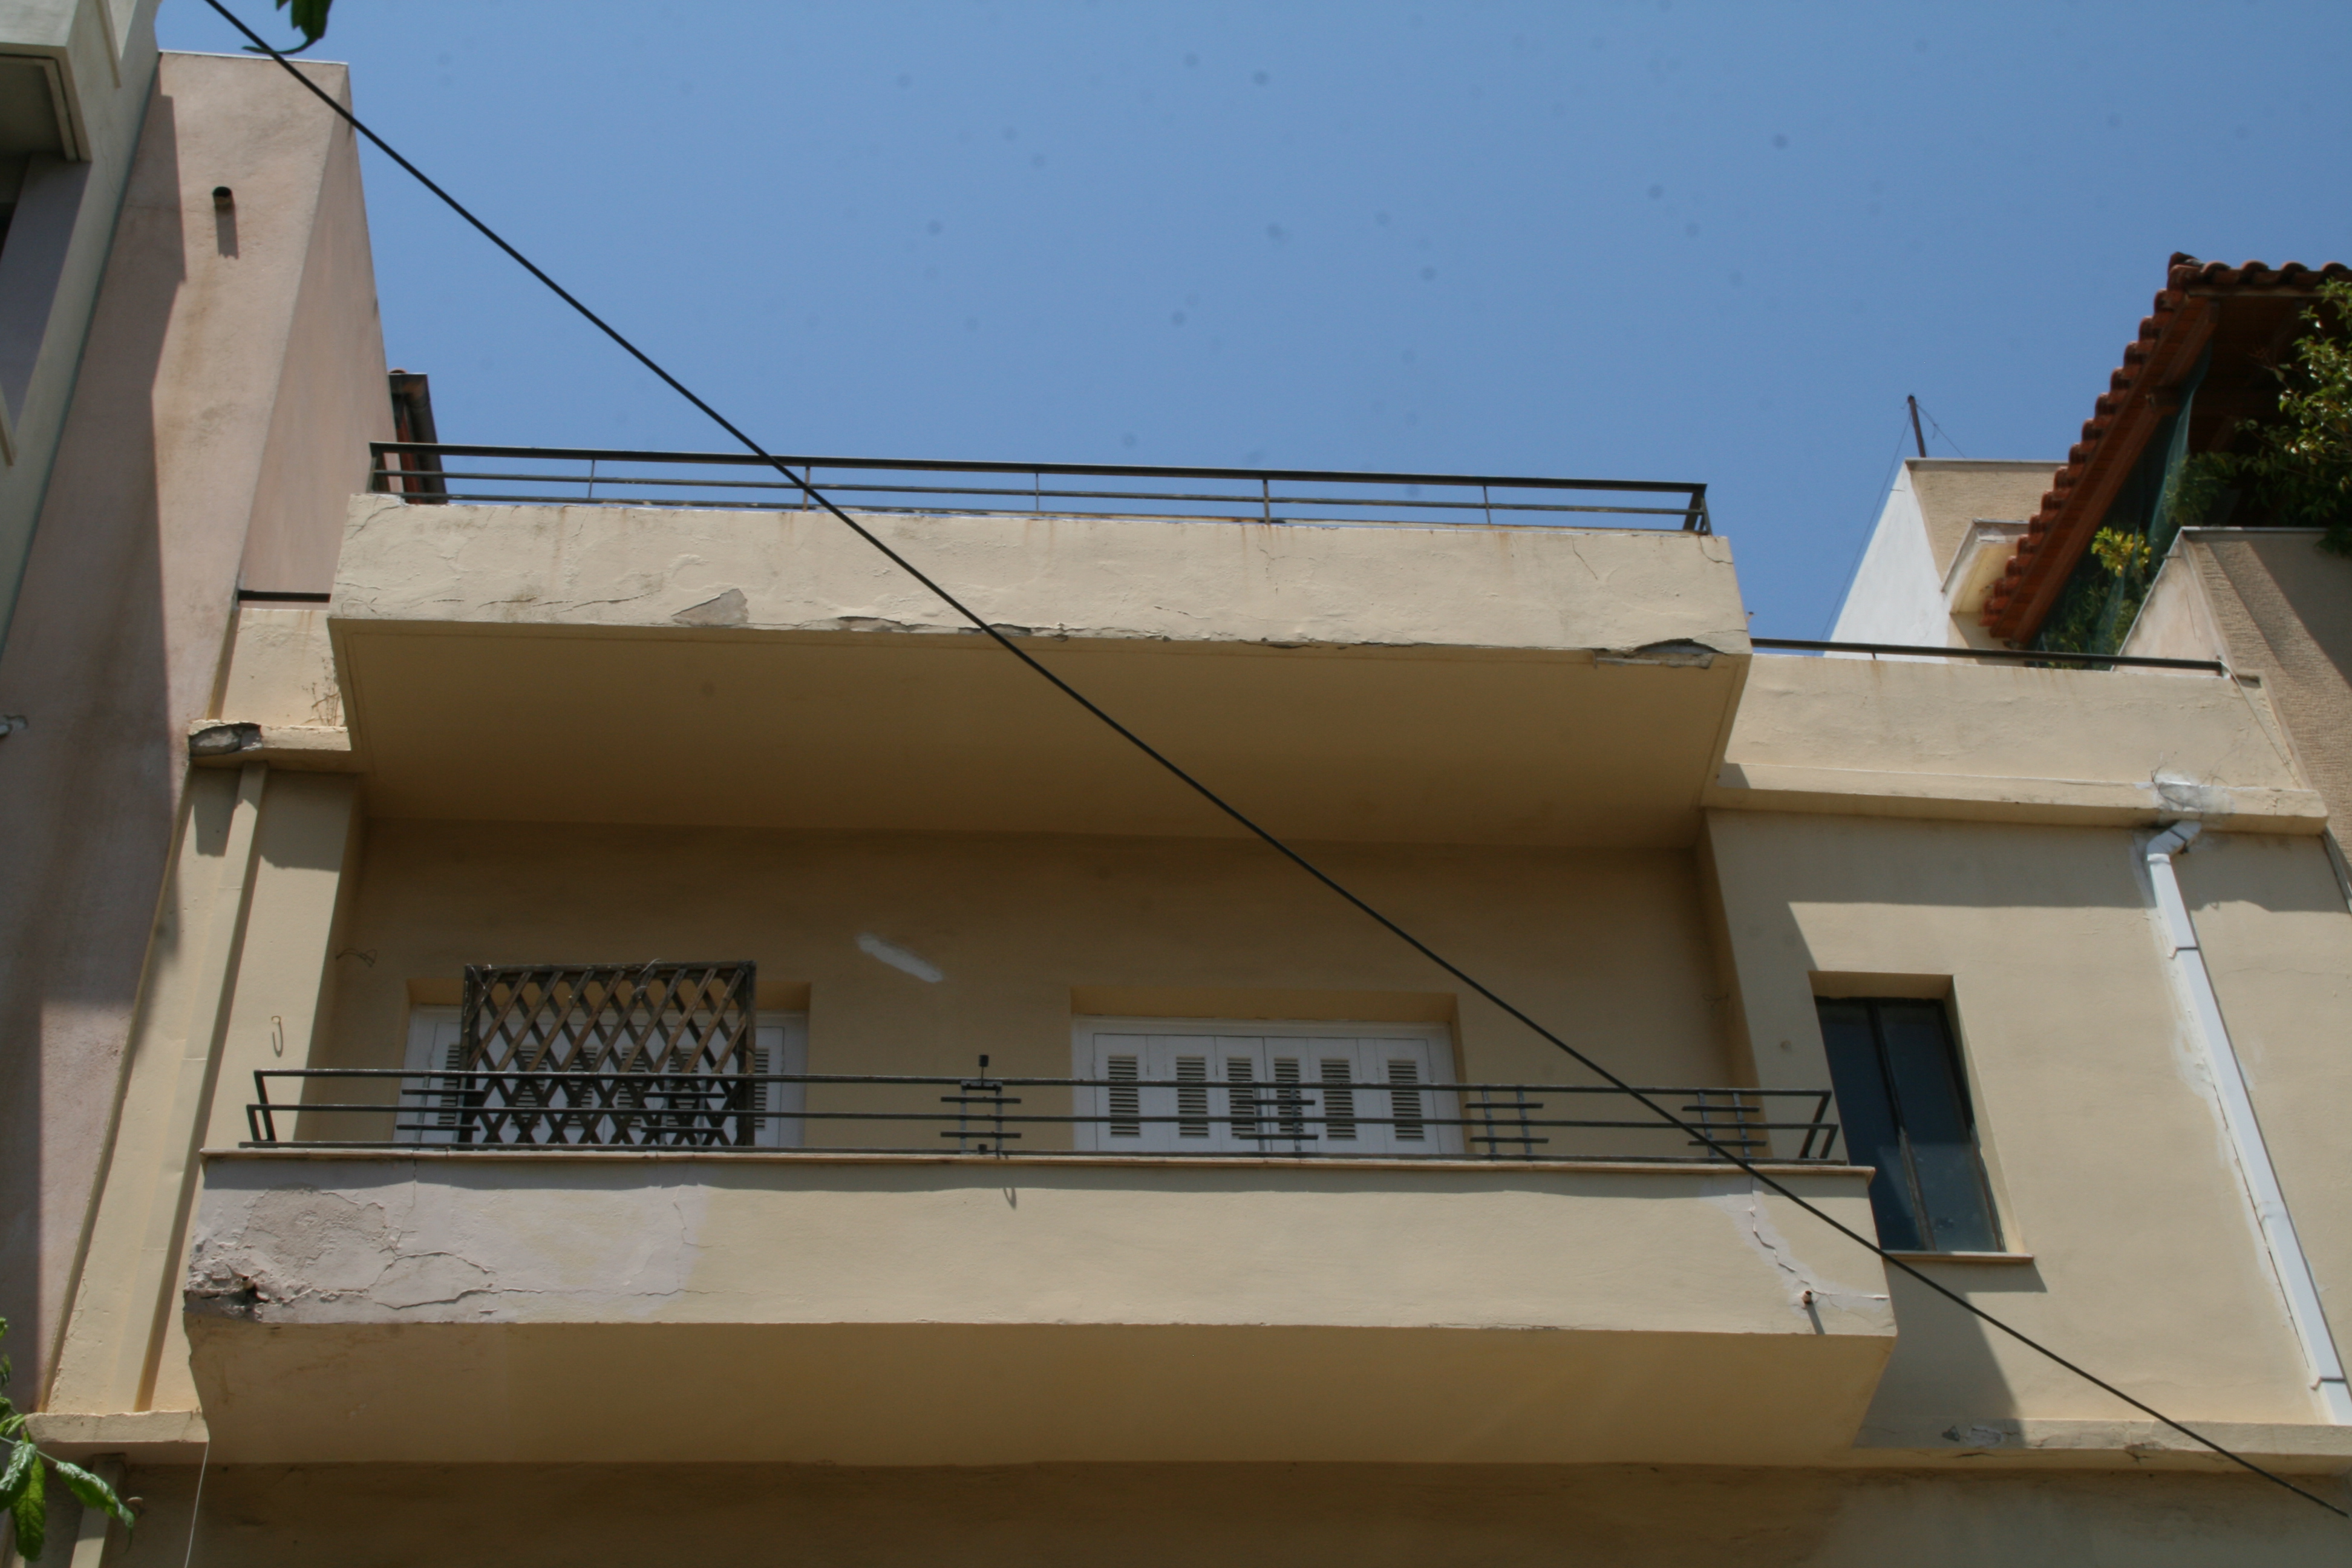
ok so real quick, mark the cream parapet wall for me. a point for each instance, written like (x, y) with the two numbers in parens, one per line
(2246, 1143)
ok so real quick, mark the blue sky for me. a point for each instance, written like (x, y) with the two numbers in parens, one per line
(1659, 240)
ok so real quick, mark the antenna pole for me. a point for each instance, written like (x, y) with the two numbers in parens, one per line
(1916, 435)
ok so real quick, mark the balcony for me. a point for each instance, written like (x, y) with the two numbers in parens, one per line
(1300, 1254)
(574, 1305)
(513, 647)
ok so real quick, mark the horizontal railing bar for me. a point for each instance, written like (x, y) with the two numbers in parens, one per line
(558, 1074)
(1130, 470)
(729, 1149)
(561, 1109)
(612, 481)
(709, 503)
(460, 1114)
(2027, 654)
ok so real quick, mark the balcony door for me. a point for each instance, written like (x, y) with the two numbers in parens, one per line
(1195, 1087)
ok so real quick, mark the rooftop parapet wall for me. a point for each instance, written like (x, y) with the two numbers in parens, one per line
(1538, 588)
(1913, 738)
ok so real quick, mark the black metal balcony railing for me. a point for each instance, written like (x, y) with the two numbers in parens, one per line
(2015, 656)
(988, 1115)
(423, 472)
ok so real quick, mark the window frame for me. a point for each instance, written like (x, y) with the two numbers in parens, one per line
(1960, 1076)
(1442, 1104)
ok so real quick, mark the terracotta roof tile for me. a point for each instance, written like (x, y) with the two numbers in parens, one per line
(2171, 337)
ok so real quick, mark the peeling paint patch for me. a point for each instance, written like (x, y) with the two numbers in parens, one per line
(729, 609)
(1807, 1291)
(1679, 654)
(1980, 1435)
(433, 1252)
(296, 1242)
(2194, 796)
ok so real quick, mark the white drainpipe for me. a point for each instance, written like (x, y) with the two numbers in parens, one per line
(2245, 1134)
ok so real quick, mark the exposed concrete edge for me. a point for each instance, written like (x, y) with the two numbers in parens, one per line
(1695, 651)
(1855, 791)
(2308, 1448)
(141, 1437)
(231, 742)
(179, 1436)
(1036, 1162)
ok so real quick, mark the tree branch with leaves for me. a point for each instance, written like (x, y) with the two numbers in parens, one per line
(309, 19)
(24, 1480)
(2297, 468)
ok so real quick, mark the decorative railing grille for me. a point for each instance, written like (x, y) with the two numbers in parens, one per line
(603, 1055)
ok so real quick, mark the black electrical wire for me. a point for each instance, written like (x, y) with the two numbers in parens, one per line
(1235, 813)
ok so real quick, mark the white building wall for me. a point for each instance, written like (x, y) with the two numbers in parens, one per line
(1897, 595)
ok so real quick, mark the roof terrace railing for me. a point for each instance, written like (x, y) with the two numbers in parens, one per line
(376, 1107)
(2011, 656)
(435, 472)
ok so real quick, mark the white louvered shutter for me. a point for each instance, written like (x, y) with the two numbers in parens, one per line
(429, 1104)
(780, 1045)
(1339, 1094)
(1168, 1110)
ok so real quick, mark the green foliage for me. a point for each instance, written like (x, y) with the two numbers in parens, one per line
(2122, 554)
(309, 19)
(24, 1479)
(2297, 469)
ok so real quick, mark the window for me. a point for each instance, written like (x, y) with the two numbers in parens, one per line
(1196, 1087)
(1905, 1104)
(436, 1110)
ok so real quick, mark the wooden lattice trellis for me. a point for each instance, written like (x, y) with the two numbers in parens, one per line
(608, 1054)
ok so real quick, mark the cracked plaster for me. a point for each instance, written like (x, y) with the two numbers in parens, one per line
(1389, 585)
(434, 1252)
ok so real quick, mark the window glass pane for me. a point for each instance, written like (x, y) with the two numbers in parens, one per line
(1932, 1106)
(1867, 1113)
(1951, 1186)
(1927, 1095)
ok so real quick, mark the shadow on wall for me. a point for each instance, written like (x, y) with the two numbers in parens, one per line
(2316, 585)
(1943, 1386)
(1923, 863)
(92, 786)
(1147, 1516)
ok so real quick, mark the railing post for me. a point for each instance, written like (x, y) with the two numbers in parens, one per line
(257, 1115)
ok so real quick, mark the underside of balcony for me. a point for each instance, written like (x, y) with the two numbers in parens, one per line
(1457, 684)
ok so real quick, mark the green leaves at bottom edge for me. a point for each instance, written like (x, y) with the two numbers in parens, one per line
(30, 1506)
(94, 1493)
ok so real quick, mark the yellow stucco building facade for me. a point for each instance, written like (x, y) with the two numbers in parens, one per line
(646, 1037)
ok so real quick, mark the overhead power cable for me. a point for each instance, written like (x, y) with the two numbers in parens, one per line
(1247, 824)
